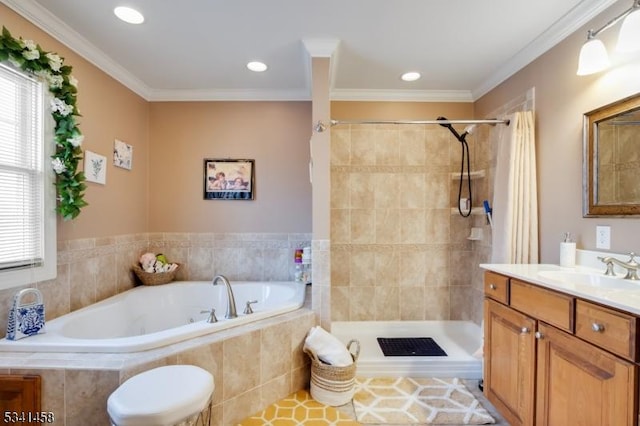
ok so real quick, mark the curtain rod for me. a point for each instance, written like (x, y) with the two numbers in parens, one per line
(321, 127)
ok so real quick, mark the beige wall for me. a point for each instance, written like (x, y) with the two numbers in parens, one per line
(109, 110)
(561, 100)
(275, 134)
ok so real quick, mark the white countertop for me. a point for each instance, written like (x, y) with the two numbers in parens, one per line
(624, 299)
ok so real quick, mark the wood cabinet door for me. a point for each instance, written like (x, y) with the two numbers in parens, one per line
(509, 364)
(579, 384)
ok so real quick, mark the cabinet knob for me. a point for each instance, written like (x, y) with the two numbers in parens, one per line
(598, 328)
(525, 330)
(492, 286)
(539, 335)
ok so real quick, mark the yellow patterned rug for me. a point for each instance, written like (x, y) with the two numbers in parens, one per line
(299, 409)
(400, 401)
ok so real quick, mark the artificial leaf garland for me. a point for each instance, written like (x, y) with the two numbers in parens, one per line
(50, 68)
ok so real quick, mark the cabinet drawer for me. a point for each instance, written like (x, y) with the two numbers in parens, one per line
(496, 286)
(611, 330)
(545, 305)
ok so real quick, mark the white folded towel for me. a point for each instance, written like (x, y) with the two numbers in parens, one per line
(327, 347)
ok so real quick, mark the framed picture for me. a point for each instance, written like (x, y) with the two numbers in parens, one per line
(95, 167)
(226, 179)
(122, 154)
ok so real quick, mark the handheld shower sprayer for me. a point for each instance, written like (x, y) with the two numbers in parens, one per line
(451, 129)
(465, 153)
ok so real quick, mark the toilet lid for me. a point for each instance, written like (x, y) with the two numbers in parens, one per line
(162, 396)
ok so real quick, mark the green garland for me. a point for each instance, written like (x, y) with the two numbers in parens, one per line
(49, 67)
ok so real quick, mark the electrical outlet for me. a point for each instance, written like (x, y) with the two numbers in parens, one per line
(603, 237)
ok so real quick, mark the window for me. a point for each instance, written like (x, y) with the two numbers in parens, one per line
(27, 191)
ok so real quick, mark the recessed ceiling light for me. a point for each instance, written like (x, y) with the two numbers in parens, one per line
(257, 66)
(129, 15)
(410, 76)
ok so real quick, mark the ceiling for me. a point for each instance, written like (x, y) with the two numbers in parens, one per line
(198, 49)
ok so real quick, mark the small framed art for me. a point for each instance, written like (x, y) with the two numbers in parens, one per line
(95, 167)
(122, 154)
(229, 179)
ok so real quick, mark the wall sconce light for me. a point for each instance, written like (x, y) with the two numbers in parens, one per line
(593, 55)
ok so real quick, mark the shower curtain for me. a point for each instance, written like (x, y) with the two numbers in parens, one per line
(515, 209)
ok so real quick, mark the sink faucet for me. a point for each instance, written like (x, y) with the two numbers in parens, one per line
(631, 266)
(231, 301)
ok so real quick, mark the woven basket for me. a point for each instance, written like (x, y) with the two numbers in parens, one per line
(330, 384)
(154, 278)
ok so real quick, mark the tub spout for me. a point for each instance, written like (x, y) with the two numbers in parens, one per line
(231, 301)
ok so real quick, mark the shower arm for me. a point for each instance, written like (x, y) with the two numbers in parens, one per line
(321, 126)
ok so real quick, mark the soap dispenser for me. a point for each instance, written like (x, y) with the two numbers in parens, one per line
(567, 251)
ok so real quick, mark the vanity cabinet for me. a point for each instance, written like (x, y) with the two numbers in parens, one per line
(554, 359)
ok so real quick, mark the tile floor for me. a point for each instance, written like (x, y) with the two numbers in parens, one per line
(299, 409)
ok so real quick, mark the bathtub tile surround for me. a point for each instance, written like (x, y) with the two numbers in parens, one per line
(398, 249)
(245, 362)
(93, 269)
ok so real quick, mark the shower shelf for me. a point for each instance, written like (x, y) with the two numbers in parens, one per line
(474, 211)
(479, 174)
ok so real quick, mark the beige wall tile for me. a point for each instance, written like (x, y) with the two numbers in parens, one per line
(210, 358)
(240, 407)
(275, 354)
(387, 147)
(362, 190)
(340, 197)
(412, 226)
(241, 358)
(340, 266)
(340, 146)
(363, 226)
(362, 146)
(86, 393)
(412, 190)
(387, 267)
(340, 226)
(361, 306)
(363, 272)
(411, 145)
(412, 303)
(387, 190)
(387, 303)
(340, 302)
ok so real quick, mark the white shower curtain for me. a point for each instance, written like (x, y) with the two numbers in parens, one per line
(515, 209)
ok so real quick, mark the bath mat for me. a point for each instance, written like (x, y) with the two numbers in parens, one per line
(417, 401)
(410, 346)
(299, 409)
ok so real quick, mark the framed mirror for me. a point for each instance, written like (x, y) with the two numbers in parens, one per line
(611, 163)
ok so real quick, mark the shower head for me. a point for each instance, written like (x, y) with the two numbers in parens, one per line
(469, 129)
(451, 129)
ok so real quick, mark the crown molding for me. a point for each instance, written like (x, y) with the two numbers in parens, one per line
(584, 12)
(180, 95)
(401, 95)
(46, 21)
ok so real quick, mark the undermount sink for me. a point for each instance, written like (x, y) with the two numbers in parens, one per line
(596, 280)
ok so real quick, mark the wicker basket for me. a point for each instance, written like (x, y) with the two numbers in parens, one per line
(330, 384)
(154, 278)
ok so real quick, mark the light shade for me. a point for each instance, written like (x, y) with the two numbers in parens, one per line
(593, 57)
(629, 36)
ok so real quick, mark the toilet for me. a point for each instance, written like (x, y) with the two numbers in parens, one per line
(164, 396)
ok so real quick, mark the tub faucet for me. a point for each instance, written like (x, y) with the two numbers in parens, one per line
(231, 301)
